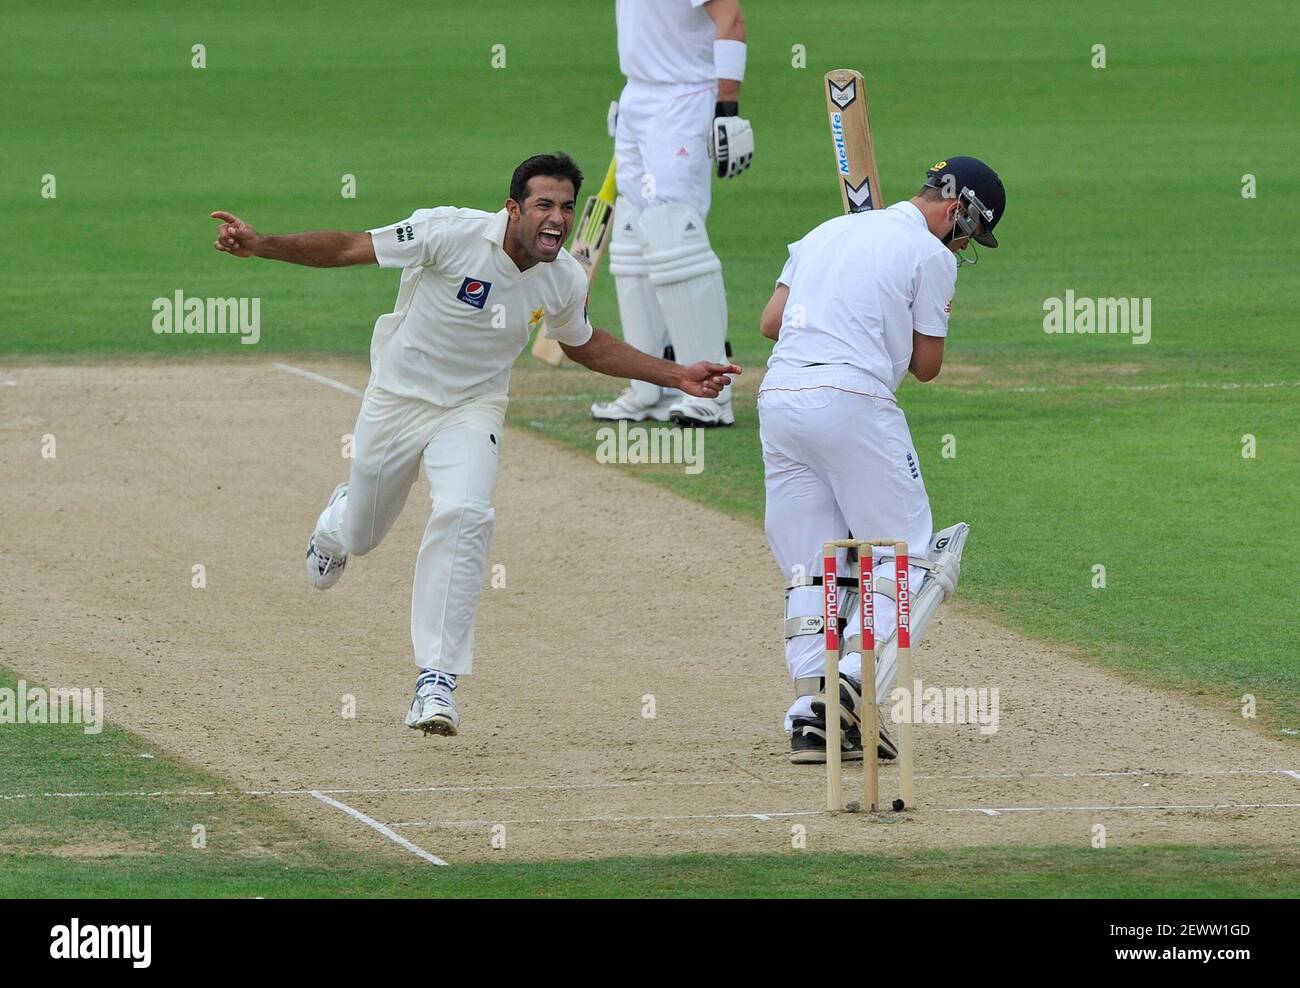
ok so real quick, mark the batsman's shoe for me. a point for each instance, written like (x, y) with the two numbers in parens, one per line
(325, 568)
(702, 413)
(627, 407)
(886, 749)
(851, 716)
(850, 703)
(808, 743)
(433, 710)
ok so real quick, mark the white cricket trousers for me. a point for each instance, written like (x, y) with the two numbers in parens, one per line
(661, 144)
(460, 448)
(837, 459)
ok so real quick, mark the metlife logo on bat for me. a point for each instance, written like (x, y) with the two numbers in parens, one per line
(837, 134)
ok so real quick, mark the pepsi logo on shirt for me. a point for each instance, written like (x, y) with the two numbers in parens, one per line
(474, 292)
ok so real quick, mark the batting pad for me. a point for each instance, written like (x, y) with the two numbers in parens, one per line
(687, 277)
(943, 569)
(638, 306)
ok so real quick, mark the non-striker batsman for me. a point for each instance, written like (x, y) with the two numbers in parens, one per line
(678, 121)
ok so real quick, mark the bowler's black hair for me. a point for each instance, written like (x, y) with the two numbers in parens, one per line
(558, 165)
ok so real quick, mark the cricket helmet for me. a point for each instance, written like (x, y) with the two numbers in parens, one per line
(981, 192)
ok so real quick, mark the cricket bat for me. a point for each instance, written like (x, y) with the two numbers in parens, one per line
(590, 238)
(855, 154)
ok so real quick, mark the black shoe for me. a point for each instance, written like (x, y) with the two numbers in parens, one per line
(886, 751)
(851, 717)
(808, 743)
(850, 702)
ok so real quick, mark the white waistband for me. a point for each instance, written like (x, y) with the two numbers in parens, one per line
(841, 376)
(666, 90)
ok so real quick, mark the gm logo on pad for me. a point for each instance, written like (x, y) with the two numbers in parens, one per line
(474, 292)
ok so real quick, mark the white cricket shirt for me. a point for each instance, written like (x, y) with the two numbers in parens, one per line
(665, 41)
(464, 311)
(859, 285)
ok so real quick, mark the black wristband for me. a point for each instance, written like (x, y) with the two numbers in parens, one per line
(726, 108)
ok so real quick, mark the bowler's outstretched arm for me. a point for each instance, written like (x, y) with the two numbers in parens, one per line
(316, 249)
(607, 354)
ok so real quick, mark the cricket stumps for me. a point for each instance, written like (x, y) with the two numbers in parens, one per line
(870, 713)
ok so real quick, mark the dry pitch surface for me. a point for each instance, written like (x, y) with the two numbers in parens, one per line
(615, 592)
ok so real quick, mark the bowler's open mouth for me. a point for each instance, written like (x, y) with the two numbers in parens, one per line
(550, 238)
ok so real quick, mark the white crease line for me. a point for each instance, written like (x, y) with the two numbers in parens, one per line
(766, 815)
(319, 378)
(388, 832)
(643, 784)
(1139, 807)
(404, 791)
(1130, 773)
(547, 787)
(990, 811)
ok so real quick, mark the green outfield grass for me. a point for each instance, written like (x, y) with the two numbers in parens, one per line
(1047, 872)
(1072, 451)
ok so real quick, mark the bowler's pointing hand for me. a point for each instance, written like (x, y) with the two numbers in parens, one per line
(706, 379)
(234, 236)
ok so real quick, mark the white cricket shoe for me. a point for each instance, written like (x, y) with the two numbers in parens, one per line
(627, 407)
(701, 412)
(323, 568)
(433, 710)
